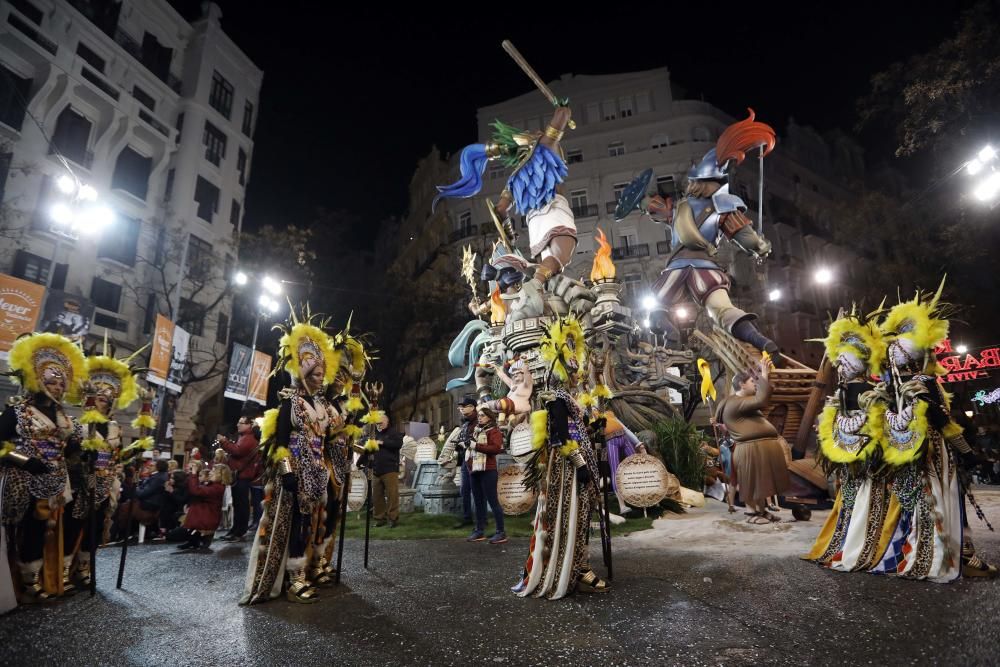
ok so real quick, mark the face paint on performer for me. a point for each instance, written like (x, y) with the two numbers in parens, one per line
(55, 383)
(103, 404)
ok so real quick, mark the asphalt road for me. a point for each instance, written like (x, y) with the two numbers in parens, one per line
(442, 602)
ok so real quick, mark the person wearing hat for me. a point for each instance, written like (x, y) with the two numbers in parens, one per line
(481, 461)
(463, 438)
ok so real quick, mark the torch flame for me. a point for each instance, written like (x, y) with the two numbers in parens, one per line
(604, 268)
(498, 311)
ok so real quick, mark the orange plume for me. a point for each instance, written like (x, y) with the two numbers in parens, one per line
(603, 268)
(741, 137)
(498, 311)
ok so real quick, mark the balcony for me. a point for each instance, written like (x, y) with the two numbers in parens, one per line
(32, 33)
(663, 247)
(463, 233)
(585, 211)
(80, 156)
(100, 82)
(631, 252)
(134, 49)
(150, 120)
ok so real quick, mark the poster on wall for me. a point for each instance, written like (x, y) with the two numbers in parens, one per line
(20, 308)
(67, 314)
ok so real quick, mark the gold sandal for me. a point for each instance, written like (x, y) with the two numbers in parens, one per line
(301, 592)
(591, 583)
(975, 567)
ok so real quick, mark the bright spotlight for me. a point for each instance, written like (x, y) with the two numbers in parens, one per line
(988, 188)
(645, 323)
(240, 278)
(66, 184)
(823, 276)
(87, 193)
(969, 413)
(962, 349)
(648, 302)
(271, 285)
(987, 153)
(681, 313)
(61, 214)
(973, 167)
(774, 295)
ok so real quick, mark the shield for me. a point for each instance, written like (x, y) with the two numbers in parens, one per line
(632, 195)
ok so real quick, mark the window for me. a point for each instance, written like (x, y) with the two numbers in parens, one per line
(120, 245)
(215, 144)
(199, 258)
(496, 170)
(31, 267)
(221, 96)
(33, 13)
(222, 329)
(617, 189)
(13, 94)
(608, 110)
(180, 126)
(575, 155)
(132, 173)
(628, 238)
(465, 223)
(207, 196)
(4, 169)
(144, 98)
(168, 190)
(192, 317)
(625, 107)
(90, 57)
(110, 322)
(666, 186)
(578, 199)
(156, 57)
(593, 112)
(149, 318)
(642, 102)
(616, 148)
(72, 137)
(248, 118)
(659, 141)
(106, 295)
(701, 134)
(234, 214)
(241, 166)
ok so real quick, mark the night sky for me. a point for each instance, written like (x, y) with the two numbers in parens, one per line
(352, 99)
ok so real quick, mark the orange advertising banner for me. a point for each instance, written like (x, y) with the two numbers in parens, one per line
(159, 358)
(259, 375)
(20, 307)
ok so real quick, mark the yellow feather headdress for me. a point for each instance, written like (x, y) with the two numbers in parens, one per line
(34, 355)
(303, 345)
(922, 320)
(858, 335)
(353, 355)
(563, 346)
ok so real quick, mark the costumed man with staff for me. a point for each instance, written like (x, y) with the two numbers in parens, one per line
(36, 437)
(110, 385)
(564, 467)
(294, 437)
(532, 189)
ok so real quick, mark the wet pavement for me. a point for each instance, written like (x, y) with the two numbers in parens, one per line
(441, 602)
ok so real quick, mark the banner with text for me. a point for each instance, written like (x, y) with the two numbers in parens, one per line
(159, 356)
(20, 306)
(178, 359)
(259, 375)
(238, 378)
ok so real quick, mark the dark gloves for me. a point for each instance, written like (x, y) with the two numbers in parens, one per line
(35, 466)
(289, 482)
(583, 475)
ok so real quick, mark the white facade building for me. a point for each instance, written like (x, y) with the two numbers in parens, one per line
(156, 114)
(627, 123)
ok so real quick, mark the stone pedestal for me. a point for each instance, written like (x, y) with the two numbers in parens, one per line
(438, 500)
(406, 497)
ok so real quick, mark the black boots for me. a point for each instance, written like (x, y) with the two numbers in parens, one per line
(746, 331)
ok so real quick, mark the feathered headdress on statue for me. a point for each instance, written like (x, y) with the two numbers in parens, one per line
(303, 345)
(914, 328)
(741, 137)
(39, 356)
(563, 347)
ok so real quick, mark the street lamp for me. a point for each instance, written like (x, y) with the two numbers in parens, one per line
(266, 306)
(681, 313)
(961, 349)
(649, 302)
(823, 276)
(774, 295)
(78, 213)
(988, 187)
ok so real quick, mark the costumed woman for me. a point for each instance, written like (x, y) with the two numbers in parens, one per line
(36, 437)
(850, 436)
(564, 469)
(110, 385)
(293, 440)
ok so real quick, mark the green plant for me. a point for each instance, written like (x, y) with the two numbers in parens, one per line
(677, 443)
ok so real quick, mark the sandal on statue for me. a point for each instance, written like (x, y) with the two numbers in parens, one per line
(591, 583)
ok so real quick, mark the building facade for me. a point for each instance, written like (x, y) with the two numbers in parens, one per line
(627, 123)
(157, 115)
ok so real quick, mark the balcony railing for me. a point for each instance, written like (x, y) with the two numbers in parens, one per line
(155, 124)
(134, 49)
(663, 247)
(630, 252)
(84, 158)
(102, 84)
(585, 211)
(32, 33)
(463, 233)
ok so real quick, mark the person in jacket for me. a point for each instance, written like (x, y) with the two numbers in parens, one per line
(244, 461)
(481, 461)
(205, 505)
(385, 469)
